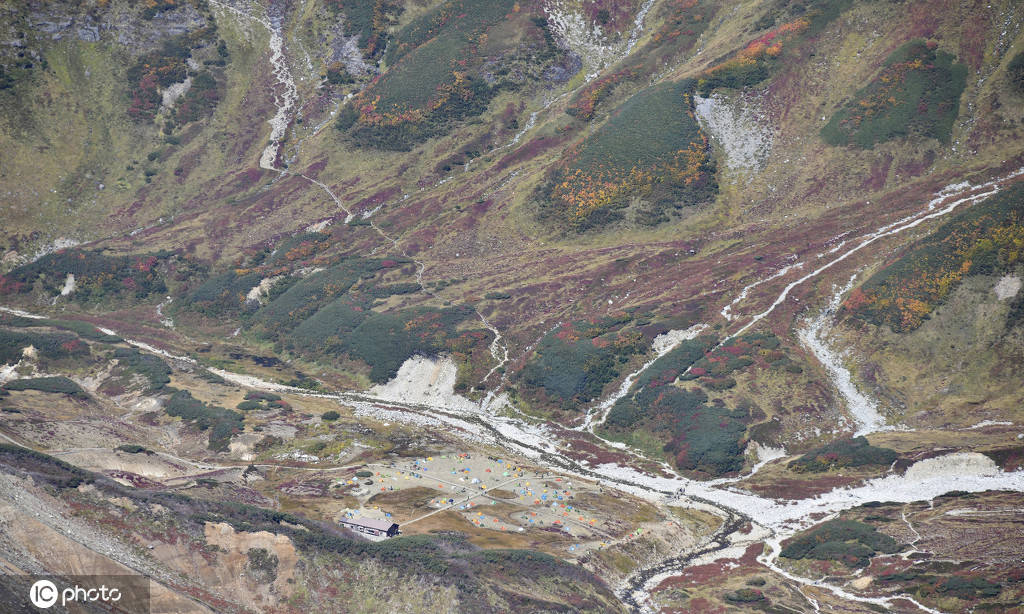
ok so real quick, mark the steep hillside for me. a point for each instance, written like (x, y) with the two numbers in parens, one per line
(284, 248)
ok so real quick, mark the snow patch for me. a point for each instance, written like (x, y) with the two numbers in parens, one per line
(69, 285)
(426, 381)
(739, 128)
(166, 321)
(57, 244)
(173, 92)
(985, 423)
(260, 290)
(862, 408)
(1007, 287)
(318, 227)
(588, 41)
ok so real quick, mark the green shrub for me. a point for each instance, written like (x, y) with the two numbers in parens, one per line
(96, 274)
(330, 416)
(1015, 72)
(667, 163)
(258, 395)
(434, 64)
(744, 595)
(54, 346)
(699, 436)
(249, 405)
(82, 329)
(300, 247)
(221, 423)
(161, 68)
(223, 293)
(132, 448)
(848, 541)
(153, 368)
(968, 588)
(394, 289)
(706, 437)
(917, 92)
(370, 20)
(262, 565)
(43, 468)
(720, 384)
(856, 452)
(984, 239)
(573, 365)
(57, 384)
(306, 296)
(384, 340)
(200, 100)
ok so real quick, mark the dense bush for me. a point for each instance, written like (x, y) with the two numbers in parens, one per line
(917, 92)
(42, 467)
(968, 588)
(856, 452)
(132, 448)
(393, 289)
(667, 163)
(199, 101)
(848, 541)
(330, 416)
(735, 355)
(384, 341)
(299, 247)
(58, 384)
(985, 239)
(370, 20)
(754, 62)
(54, 346)
(699, 436)
(224, 293)
(745, 595)
(1015, 72)
(153, 368)
(221, 423)
(262, 565)
(306, 296)
(706, 437)
(82, 329)
(154, 71)
(96, 274)
(262, 400)
(257, 395)
(572, 365)
(433, 79)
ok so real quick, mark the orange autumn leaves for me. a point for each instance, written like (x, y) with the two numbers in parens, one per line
(983, 241)
(446, 92)
(649, 155)
(582, 192)
(767, 46)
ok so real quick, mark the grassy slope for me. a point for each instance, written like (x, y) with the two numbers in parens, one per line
(485, 217)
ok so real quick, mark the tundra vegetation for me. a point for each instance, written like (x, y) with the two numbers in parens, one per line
(986, 239)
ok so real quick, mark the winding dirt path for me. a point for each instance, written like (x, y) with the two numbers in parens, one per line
(285, 103)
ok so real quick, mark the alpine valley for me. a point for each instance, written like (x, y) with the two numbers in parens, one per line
(600, 305)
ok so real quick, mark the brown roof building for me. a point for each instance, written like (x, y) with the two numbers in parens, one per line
(371, 526)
